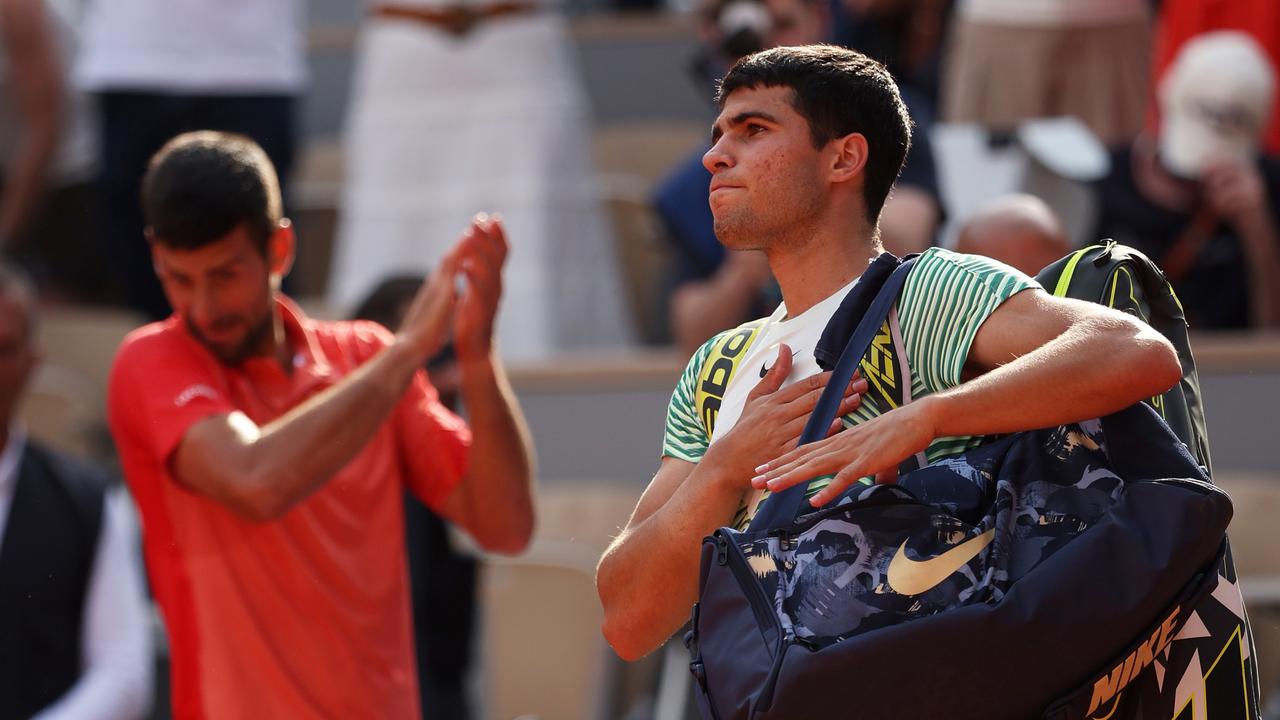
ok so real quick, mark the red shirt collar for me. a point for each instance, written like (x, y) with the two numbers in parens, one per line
(311, 369)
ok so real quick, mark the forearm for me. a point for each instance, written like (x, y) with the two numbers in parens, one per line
(648, 578)
(27, 43)
(24, 180)
(1097, 367)
(1262, 248)
(1040, 361)
(262, 472)
(301, 450)
(498, 487)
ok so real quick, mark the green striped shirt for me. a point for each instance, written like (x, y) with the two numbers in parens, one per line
(946, 299)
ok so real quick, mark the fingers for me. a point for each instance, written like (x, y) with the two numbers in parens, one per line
(773, 379)
(438, 289)
(485, 241)
(776, 474)
(835, 488)
(806, 467)
(426, 322)
(1233, 188)
(483, 283)
(800, 398)
(836, 426)
(810, 389)
(852, 400)
(482, 244)
(847, 477)
(887, 477)
(481, 251)
(815, 460)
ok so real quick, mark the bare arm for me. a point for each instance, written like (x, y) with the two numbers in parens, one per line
(1262, 244)
(1044, 361)
(1236, 191)
(495, 501)
(647, 579)
(261, 472)
(37, 81)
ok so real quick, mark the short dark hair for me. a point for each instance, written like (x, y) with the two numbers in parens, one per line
(202, 185)
(838, 91)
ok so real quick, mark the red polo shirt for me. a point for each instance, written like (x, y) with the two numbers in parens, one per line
(306, 616)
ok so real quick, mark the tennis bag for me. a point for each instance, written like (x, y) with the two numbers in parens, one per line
(1210, 670)
(996, 584)
(1123, 278)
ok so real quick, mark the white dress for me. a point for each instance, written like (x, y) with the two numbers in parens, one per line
(442, 127)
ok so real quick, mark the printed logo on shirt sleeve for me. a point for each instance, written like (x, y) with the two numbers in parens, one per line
(191, 393)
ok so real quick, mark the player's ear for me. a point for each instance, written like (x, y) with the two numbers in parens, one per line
(848, 157)
(281, 247)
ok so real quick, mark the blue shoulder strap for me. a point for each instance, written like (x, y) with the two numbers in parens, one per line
(783, 507)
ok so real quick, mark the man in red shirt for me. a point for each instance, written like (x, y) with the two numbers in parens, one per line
(268, 451)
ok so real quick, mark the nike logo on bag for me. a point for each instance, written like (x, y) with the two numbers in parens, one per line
(914, 577)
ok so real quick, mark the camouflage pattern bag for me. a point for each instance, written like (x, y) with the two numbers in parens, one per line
(983, 586)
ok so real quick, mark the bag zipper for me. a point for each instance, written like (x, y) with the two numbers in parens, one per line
(760, 605)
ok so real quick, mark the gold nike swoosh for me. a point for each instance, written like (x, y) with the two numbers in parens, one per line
(913, 577)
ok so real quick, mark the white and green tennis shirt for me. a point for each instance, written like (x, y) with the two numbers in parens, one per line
(946, 299)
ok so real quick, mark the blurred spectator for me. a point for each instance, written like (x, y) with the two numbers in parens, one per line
(1182, 20)
(163, 67)
(269, 452)
(442, 581)
(48, 205)
(904, 35)
(458, 107)
(76, 640)
(714, 290)
(1010, 60)
(1202, 200)
(1018, 230)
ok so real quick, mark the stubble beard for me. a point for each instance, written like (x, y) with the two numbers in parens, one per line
(787, 227)
(248, 346)
(735, 231)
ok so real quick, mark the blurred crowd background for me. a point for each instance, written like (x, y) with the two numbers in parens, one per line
(1041, 126)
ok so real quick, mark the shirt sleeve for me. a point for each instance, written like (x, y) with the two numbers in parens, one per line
(685, 436)
(947, 297)
(115, 643)
(158, 389)
(433, 443)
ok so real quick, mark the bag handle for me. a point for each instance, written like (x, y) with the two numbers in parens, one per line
(783, 507)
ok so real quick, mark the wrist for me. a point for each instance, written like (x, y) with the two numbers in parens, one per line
(480, 374)
(405, 355)
(415, 346)
(1256, 228)
(722, 473)
(475, 359)
(938, 413)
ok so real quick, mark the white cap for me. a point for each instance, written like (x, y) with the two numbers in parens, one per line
(1215, 100)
